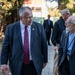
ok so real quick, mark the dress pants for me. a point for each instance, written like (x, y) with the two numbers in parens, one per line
(48, 37)
(65, 69)
(28, 69)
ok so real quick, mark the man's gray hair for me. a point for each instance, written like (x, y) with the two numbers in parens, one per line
(23, 9)
(66, 10)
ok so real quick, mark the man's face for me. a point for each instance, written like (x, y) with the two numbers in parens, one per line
(27, 18)
(48, 16)
(71, 27)
(67, 23)
(65, 16)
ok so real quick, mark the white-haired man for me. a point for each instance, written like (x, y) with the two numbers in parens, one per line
(24, 46)
(66, 52)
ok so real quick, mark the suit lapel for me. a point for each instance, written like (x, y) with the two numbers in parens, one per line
(73, 48)
(66, 42)
(32, 34)
(18, 31)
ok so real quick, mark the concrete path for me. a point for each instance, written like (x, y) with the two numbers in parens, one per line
(48, 70)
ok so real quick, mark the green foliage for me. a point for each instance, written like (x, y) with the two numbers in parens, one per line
(10, 5)
(70, 4)
(62, 4)
(9, 11)
(54, 12)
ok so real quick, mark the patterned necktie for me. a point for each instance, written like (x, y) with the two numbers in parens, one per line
(26, 46)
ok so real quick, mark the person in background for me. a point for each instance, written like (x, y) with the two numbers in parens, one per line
(48, 25)
(59, 27)
(24, 45)
(66, 51)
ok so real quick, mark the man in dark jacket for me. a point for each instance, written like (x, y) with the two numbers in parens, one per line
(66, 51)
(24, 46)
(48, 25)
(58, 28)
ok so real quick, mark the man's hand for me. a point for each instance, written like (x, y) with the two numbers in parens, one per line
(56, 52)
(44, 64)
(4, 69)
(59, 72)
(55, 47)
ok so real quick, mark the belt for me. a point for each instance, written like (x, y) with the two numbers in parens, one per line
(30, 62)
(68, 57)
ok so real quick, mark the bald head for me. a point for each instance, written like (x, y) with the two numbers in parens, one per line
(70, 24)
(71, 19)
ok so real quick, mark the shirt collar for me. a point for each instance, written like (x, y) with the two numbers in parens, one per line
(73, 34)
(23, 26)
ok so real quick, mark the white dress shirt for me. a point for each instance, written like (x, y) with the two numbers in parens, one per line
(29, 35)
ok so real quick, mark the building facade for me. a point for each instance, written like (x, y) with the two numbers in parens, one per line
(38, 7)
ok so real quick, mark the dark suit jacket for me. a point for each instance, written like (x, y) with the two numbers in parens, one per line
(12, 47)
(58, 28)
(62, 53)
(47, 27)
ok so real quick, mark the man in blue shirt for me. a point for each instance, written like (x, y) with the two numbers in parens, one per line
(66, 52)
(48, 25)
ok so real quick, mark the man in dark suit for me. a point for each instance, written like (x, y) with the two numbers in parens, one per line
(58, 28)
(24, 46)
(48, 25)
(66, 51)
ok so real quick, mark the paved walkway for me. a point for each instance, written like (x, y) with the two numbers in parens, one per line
(48, 70)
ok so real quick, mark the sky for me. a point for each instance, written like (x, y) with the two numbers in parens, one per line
(51, 0)
(52, 3)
